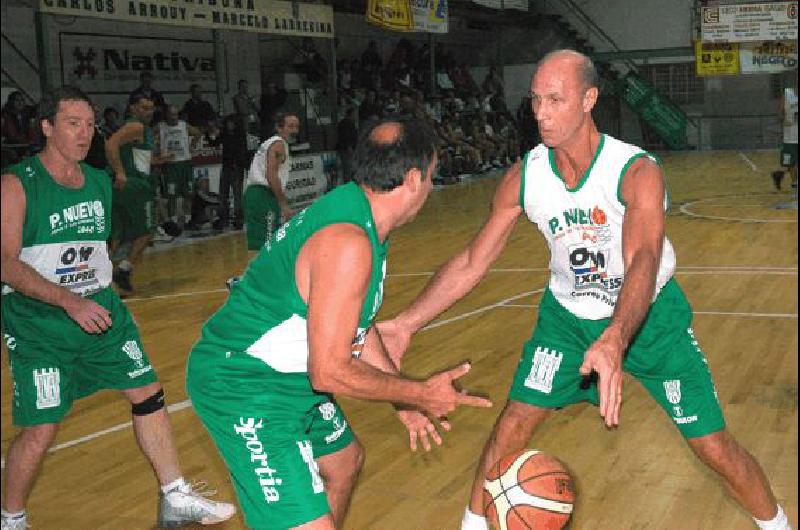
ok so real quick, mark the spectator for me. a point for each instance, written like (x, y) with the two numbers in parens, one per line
(235, 158)
(370, 109)
(17, 117)
(346, 139)
(111, 122)
(493, 83)
(146, 89)
(371, 61)
(273, 98)
(245, 106)
(311, 63)
(198, 112)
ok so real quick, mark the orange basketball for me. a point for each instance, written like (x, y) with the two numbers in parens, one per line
(528, 490)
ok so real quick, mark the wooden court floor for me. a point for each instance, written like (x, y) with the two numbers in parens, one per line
(741, 277)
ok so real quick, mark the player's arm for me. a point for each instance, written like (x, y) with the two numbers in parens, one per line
(418, 424)
(334, 269)
(276, 157)
(92, 317)
(129, 133)
(463, 271)
(642, 239)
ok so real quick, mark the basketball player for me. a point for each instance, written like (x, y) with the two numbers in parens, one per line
(68, 334)
(788, 113)
(177, 172)
(291, 334)
(130, 154)
(612, 302)
(265, 204)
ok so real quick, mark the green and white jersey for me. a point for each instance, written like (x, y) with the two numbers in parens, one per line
(265, 317)
(137, 157)
(175, 139)
(258, 167)
(65, 230)
(583, 226)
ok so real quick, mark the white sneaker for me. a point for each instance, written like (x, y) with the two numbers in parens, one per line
(160, 236)
(188, 504)
(19, 523)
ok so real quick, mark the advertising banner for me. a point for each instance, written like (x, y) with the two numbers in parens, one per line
(749, 22)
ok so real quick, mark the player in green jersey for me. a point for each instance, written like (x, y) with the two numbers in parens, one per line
(293, 333)
(67, 333)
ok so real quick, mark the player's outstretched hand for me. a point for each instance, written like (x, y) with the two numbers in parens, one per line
(420, 427)
(89, 315)
(395, 339)
(605, 358)
(441, 396)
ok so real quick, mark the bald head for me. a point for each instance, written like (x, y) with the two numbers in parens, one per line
(581, 64)
(386, 133)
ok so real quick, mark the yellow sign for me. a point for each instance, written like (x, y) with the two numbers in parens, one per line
(391, 14)
(716, 58)
(262, 16)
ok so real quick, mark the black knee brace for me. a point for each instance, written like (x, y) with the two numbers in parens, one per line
(150, 405)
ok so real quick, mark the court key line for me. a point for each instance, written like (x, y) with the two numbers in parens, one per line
(187, 402)
(686, 211)
(714, 313)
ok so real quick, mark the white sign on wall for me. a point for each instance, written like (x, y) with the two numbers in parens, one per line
(771, 57)
(111, 64)
(430, 15)
(521, 5)
(749, 22)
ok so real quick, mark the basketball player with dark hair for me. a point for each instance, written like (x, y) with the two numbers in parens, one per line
(291, 335)
(612, 303)
(68, 334)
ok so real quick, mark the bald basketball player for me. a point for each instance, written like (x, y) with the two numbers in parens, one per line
(612, 302)
(292, 333)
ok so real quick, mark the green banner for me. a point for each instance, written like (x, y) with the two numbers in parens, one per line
(660, 113)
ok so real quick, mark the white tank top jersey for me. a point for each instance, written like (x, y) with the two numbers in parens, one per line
(583, 226)
(175, 139)
(790, 121)
(258, 167)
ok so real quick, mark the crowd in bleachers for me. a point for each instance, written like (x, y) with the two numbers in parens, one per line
(478, 133)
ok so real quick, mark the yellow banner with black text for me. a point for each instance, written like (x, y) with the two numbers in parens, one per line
(262, 16)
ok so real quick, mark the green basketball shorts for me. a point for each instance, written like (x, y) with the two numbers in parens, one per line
(262, 215)
(789, 155)
(54, 362)
(132, 210)
(269, 428)
(664, 357)
(178, 179)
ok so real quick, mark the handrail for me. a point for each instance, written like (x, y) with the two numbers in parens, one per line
(19, 52)
(17, 84)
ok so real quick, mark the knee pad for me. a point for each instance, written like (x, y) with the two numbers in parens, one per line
(150, 405)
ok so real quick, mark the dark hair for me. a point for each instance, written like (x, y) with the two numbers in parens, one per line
(109, 110)
(383, 166)
(137, 97)
(195, 85)
(51, 100)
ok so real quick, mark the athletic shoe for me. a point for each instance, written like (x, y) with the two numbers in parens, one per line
(123, 281)
(17, 523)
(777, 178)
(230, 282)
(188, 504)
(160, 236)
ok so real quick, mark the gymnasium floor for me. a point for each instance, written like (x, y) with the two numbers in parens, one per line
(737, 261)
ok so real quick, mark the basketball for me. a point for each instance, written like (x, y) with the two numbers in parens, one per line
(528, 490)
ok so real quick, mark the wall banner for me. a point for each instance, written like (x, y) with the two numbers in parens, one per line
(716, 58)
(262, 16)
(749, 22)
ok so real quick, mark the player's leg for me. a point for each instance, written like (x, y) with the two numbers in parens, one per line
(547, 378)
(339, 456)
(44, 390)
(674, 371)
(512, 431)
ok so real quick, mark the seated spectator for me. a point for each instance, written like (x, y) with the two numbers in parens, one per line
(370, 109)
(492, 83)
(18, 128)
(273, 98)
(198, 111)
(346, 139)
